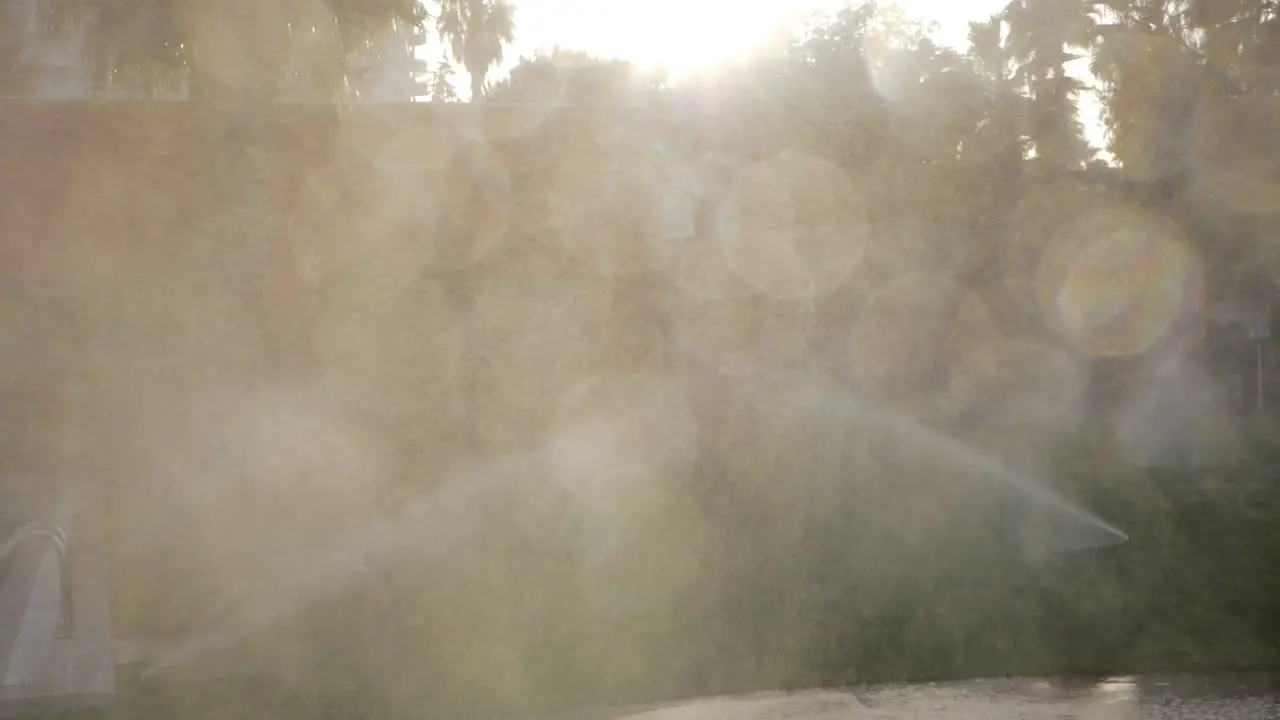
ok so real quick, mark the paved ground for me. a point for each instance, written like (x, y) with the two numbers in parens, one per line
(1193, 697)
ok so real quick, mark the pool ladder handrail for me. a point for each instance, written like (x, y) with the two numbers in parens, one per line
(58, 537)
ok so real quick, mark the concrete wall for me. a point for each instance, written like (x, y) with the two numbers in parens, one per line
(427, 286)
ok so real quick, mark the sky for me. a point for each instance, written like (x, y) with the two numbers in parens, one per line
(687, 35)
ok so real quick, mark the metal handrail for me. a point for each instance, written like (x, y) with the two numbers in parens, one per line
(58, 537)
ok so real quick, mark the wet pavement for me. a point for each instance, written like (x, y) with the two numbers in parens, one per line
(1233, 696)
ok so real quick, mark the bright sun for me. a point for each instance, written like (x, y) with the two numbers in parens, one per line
(687, 35)
(679, 35)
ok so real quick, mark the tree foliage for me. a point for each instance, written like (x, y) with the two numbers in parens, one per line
(240, 47)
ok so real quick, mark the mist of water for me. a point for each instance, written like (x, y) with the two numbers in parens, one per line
(435, 525)
(848, 407)
(430, 526)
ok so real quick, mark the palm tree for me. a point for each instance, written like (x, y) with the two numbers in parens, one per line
(1002, 122)
(1000, 140)
(1133, 41)
(1157, 59)
(476, 31)
(1041, 36)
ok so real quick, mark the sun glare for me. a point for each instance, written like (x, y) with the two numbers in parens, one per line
(683, 36)
(687, 35)
(680, 36)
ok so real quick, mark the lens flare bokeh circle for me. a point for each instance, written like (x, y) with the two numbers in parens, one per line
(1130, 283)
